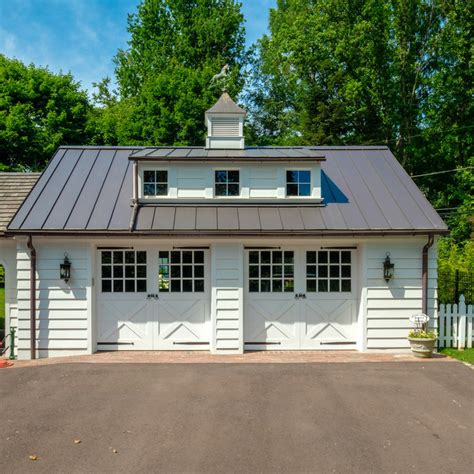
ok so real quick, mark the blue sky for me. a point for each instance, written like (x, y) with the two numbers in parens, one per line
(82, 36)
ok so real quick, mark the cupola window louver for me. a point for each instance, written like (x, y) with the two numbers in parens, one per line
(225, 127)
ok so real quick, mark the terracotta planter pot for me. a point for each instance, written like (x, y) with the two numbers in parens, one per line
(422, 347)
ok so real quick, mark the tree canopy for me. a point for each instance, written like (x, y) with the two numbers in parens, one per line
(39, 111)
(175, 48)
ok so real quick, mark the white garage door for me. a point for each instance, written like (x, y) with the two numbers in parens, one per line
(300, 299)
(153, 299)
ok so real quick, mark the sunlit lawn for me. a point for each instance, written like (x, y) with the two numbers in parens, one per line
(467, 355)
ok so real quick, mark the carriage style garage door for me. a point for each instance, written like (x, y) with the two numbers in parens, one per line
(153, 299)
(300, 299)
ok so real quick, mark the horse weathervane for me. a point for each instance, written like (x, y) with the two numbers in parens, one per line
(222, 76)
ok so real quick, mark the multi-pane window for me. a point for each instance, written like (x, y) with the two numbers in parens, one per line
(227, 183)
(328, 271)
(155, 183)
(271, 271)
(181, 271)
(123, 271)
(298, 183)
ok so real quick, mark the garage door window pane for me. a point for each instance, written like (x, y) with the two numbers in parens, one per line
(198, 286)
(181, 271)
(331, 273)
(270, 271)
(122, 275)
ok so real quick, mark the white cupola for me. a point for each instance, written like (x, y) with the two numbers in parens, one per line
(225, 124)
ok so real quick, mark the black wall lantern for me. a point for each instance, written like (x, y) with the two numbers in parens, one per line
(65, 269)
(388, 267)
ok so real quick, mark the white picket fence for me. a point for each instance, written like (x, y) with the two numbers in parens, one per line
(455, 325)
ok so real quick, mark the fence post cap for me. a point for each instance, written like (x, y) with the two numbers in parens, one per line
(462, 299)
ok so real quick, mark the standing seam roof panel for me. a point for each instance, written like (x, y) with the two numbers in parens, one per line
(248, 218)
(206, 218)
(352, 215)
(122, 212)
(396, 187)
(291, 218)
(185, 218)
(164, 218)
(145, 218)
(104, 207)
(416, 194)
(313, 218)
(32, 198)
(365, 200)
(49, 195)
(270, 218)
(227, 218)
(86, 201)
(72, 190)
(382, 196)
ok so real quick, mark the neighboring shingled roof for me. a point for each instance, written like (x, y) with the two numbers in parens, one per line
(365, 189)
(14, 187)
(225, 105)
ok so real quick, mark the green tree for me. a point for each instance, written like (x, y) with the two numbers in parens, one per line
(39, 111)
(322, 74)
(175, 48)
(448, 119)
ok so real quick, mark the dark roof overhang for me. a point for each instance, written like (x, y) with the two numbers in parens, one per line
(230, 233)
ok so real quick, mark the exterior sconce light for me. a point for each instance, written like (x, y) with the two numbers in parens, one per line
(388, 267)
(65, 269)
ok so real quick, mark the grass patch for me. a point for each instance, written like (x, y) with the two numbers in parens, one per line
(2, 308)
(467, 355)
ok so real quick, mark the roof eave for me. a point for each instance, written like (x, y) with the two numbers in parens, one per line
(241, 159)
(225, 233)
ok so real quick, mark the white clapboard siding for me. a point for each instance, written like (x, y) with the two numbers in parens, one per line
(8, 260)
(389, 305)
(62, 310)
(455, 325)
(227, 280)
(53, 283)
(390, 323)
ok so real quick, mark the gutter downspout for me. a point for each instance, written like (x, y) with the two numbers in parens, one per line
(32, 297)
(134, 202)
(424, 274)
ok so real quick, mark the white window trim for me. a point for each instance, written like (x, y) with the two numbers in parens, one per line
(225, 168)
(171, 181)
(311, 183)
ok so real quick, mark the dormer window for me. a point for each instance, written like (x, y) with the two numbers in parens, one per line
(155, 183)
(298, 183)
(227, 183)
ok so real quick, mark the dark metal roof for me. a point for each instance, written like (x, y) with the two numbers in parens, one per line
(225, 105)
(14, 187)
(365, 189)
(248, 154)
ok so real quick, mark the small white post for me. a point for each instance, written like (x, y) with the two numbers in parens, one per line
(462, 323)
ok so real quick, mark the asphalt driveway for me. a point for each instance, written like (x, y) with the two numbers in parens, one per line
(358, 417)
